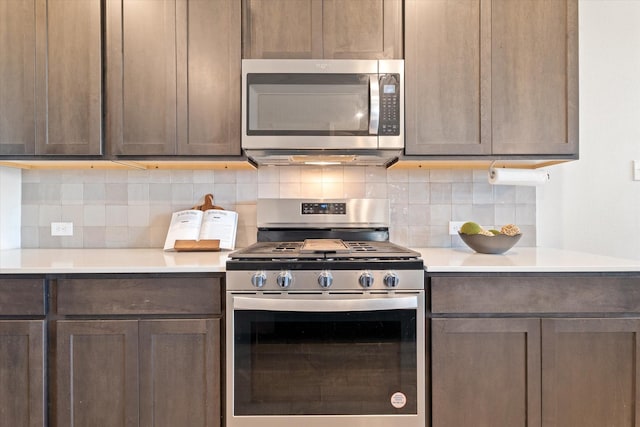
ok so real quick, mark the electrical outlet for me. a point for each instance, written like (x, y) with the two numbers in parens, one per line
(454, 227)
(62, 229)
(636, 170)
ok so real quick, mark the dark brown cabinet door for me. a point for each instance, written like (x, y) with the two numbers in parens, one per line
(355, 29)
(282, 29)
(364, 29)
(22, 373)
(180, 373)
(534, 77)
(486, 372)
(96, 366)
(590, 372)
(50, 77)
(447, 77)
(491, 77)
(173, 70)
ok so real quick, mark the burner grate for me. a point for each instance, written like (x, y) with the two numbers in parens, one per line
(362, 246)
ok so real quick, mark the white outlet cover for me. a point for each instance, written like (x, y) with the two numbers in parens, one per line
(62, 229)
(636, 170)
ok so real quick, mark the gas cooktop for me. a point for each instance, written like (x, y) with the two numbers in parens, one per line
(319, 249)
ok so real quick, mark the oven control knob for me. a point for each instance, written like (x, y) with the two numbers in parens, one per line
(284, 279)
(259, 278)
(325, 279)
(366, 279)
(391, 279)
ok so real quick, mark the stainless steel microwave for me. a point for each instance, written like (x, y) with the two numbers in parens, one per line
(341, 110)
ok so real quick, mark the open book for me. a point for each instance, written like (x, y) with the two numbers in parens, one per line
(194, 224)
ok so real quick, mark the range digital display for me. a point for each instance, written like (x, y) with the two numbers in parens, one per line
(324, 208)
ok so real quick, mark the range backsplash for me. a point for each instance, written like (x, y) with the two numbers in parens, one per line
(132, 209)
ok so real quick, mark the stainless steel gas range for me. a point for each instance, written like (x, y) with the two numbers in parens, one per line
(325, 320)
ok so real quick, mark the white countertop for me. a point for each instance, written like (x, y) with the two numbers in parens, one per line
(450, 260)
(522, 259)
(59, 261)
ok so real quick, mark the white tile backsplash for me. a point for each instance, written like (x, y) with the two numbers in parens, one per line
(133, 208)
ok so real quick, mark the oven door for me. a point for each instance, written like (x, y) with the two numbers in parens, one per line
(326, 359)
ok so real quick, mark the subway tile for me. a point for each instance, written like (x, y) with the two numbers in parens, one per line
(138, 216)
(182, 194)
(50, 193)
(311, 175)
(94, 175)
(525, 194)
(116, 236)
(462, 212)
(224, 193)
(203, 176)
(332, 190)
(159, 193)
(419, 192)
(72, 177)
(290, 190)
(354, 174)
(333, 174)
(484, 215)
(117, 215)
(49, 214)
(268, 190)
(461, 175)
(354, 190)
(74, 214)
(505, 214)
(482, 193)
(311, 189)
(375, 174)
(399, 234)
(419, 214)
(398, 192)
(525, 214)
(29, 236)
(139, 237)
(72, 194)
(440, 192)
(440, 175)
(138, 193)
(224, 176)
(268, 174)
(418, 236)
(399, 214)
(116, 193)
(247, 214)
(138, 176)
(94, 237)
(461, 192)
(94, 216)
(376, 190)
(289, 174)
(30, 215)
(94, 194)
(116, 176)
(504, 194)
(418, 175)
(31, 192)
(246, 192)
(159, 176)
(247, 177)
(201, 190)
(181, 177)
(30, 177)
(397, 175)
(439, 237)
(439, 214)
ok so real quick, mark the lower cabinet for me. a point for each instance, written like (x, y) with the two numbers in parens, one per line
(22, 373)
(535, 351)
(128, 372)
(485, 372)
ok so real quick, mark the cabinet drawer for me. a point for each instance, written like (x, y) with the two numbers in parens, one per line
(166, 295)
(22, 297)
(536, 294)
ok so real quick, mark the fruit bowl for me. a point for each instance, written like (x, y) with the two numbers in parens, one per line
(497, 244)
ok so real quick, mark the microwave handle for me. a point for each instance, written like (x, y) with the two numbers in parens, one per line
(374, 112)
(322, 305)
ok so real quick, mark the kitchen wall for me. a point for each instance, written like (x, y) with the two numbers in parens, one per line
(593, 204)
(116, 208)
(10, 205)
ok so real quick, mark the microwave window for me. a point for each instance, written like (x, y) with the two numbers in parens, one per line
(309, 107)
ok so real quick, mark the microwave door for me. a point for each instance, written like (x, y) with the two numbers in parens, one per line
(311, 111)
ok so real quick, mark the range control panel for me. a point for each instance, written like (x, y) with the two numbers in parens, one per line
(324, 208)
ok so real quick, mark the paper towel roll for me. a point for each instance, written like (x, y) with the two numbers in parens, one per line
(504, 176)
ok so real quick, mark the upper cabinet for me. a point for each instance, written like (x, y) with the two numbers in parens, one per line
(491, 77)
(50, 77)
(173, 77)
(329, 29)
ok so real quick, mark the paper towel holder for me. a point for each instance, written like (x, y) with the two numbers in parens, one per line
(522, 176)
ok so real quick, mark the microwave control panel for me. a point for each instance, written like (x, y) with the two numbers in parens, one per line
(389, 104)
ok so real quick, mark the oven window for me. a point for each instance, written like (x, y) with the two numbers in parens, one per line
(308, 104)
(338, 363)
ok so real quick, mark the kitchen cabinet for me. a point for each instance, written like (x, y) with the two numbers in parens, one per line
(50, 77)
(173, 77)
(545, 349)
(493, 77)
(486, 372)
(138, 351)
(329, 29)
(22, 353)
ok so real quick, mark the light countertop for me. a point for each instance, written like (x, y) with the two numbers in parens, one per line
(522, 259)
(448, 260)
(64, 261)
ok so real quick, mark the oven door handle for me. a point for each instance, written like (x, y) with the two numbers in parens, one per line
(325, 305)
